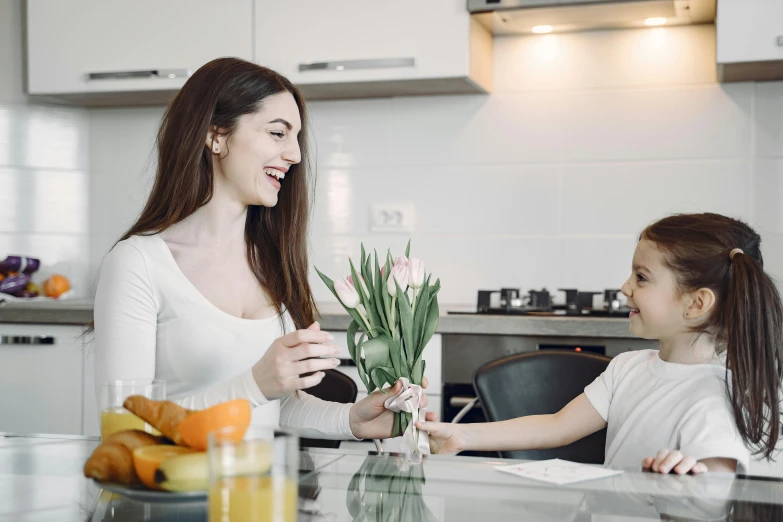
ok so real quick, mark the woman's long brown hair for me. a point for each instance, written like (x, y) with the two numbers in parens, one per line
(215, 97)
(747, 321)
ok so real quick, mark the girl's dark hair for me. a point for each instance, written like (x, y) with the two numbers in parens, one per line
(747, 321)
(215, 97)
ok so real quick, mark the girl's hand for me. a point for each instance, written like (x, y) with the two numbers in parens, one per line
(370, 419)
(666, 461)
(445, 437)
(280, 370)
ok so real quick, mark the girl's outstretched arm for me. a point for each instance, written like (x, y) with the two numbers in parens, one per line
(576, 420)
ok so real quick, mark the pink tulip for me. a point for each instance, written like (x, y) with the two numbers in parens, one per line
(401, 260)
(400, 274)
(346, 293)
(415, 272)
(364, 285)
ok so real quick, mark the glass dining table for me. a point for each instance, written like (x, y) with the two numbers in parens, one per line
(41, 480)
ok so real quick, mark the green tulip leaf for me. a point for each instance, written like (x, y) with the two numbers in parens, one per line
(376, 353)
(379, 301)
(431, 324)
(406, 320)
(382, 376)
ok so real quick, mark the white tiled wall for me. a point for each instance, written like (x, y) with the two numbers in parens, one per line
(546, 182)
(44, 170)
(768, 169)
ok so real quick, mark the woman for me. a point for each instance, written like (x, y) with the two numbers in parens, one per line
(208, 290)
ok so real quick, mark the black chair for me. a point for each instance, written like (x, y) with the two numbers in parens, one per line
(334, 387)
(540, 383)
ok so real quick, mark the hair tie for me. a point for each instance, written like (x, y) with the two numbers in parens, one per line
(735, 252)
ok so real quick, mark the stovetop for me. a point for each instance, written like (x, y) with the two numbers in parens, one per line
(564, 302)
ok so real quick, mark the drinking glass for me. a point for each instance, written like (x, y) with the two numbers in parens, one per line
(253, 475)
(113, 393)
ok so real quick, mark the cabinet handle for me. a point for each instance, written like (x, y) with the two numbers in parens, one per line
(20, 340)
(343, 65)
(151, 73)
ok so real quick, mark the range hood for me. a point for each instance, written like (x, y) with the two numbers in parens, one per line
(505, 17)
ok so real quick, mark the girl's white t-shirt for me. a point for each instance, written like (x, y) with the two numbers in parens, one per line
(151, 322)
(650, 404)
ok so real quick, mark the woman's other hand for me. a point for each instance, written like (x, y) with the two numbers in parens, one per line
(280, 371)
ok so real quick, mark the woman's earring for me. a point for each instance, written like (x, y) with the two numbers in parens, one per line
(216, 148)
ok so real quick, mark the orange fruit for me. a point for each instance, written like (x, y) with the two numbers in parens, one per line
(56, 285)
(194, 429)
(147, 459)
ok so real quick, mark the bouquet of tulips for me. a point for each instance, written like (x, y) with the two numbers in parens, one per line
(395, 314)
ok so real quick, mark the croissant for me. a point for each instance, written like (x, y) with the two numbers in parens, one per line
(164, 416)
(112, 461)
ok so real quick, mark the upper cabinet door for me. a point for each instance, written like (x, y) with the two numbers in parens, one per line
(88, 46)
(750, 39)
(343, 42)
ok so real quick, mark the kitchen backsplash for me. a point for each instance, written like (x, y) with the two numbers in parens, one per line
(44, 170)
(547, 182)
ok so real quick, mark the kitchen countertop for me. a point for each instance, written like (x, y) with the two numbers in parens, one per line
(334, 317)
(41, 479)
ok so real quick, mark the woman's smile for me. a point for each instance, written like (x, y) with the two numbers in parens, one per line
(274, 175)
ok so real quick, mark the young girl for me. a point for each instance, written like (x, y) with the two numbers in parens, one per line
(707, 395)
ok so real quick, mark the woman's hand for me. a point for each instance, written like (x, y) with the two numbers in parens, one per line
(279, 371)
(666, 461)
(371, 420)
(445, 437)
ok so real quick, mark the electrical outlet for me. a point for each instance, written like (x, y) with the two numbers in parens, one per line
(392, 217)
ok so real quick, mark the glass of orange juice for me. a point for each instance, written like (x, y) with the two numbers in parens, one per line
(113, 393)
(253, 478)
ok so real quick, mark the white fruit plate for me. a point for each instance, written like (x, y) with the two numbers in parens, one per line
(143, 494)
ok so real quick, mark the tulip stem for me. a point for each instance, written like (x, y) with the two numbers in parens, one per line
(366, 322)
(392, 323)
(413, 303)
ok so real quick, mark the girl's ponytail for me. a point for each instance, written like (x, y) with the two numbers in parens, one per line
(752, 322)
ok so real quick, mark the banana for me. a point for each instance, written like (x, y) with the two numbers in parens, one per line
(190, 472)
(184, 474)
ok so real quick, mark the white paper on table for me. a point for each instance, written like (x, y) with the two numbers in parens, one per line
(556, 471)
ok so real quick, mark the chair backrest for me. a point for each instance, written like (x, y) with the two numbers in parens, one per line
(539, 383)
(334, 387)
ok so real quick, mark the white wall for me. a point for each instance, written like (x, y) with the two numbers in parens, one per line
(44, 169)
(547, 182)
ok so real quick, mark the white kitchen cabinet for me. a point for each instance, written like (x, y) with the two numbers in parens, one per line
(41, 379)
(125, 40)
(354, 48)
(91, 424)
(749, 40)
